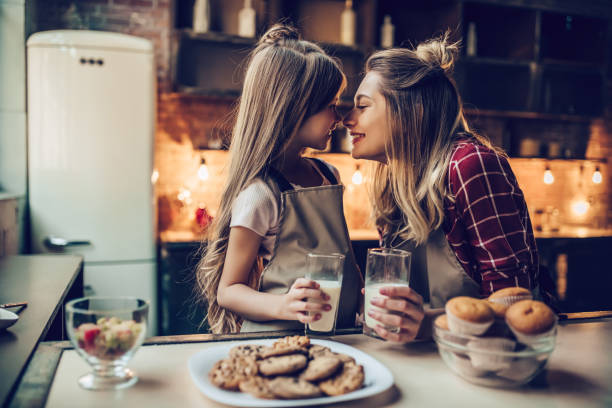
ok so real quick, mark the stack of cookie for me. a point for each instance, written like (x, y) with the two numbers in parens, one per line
(489, 331)
(291, 368)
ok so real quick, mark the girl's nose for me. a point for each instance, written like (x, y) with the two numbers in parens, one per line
(349, 119)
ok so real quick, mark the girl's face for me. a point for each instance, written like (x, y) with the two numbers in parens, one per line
(316, 130)
(367, 122)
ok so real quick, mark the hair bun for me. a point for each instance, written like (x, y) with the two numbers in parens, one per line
(279, 33)
(439, 53)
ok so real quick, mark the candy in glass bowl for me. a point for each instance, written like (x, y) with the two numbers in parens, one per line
(106, 332)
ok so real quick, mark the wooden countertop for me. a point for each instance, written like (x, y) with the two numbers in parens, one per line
(44, 281)
(577, 375)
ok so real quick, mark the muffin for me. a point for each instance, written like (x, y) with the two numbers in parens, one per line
(443, 331)
(441, 322)
(530, 320)
(483, 353)
(509, 296)
(464, 367)
(498, 309)
(468, 315)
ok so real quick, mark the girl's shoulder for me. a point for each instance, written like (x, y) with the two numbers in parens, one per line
(330, 167)
(256, 193)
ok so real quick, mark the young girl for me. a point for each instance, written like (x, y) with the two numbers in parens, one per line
(278, 206)
(442, 191)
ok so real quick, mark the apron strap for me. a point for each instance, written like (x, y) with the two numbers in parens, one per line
(324, 169)
(278, 178)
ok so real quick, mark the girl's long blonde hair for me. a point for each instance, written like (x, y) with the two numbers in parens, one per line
(287, 80)
(424, 120)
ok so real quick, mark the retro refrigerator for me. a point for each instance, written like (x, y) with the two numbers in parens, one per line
(91, 120)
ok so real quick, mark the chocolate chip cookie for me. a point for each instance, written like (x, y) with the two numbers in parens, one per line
(348, 379)
(321, 368)
(258, 387)
(228, 373)
(247, 350)
(293, 388)
(282, 364)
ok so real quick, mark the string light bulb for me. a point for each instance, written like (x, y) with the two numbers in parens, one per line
(580, 207)
(597, 178)
(357, 178)
(203, 170)
(548, 176)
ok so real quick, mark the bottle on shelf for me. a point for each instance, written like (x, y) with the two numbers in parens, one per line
(387, 32)
(347, 24)
(246, 20)
(201, 16)
(472, 46)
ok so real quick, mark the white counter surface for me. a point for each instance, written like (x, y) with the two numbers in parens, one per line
(579, 374)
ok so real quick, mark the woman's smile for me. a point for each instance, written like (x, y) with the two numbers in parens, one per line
(357, 137)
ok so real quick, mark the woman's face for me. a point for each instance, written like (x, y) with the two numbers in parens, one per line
(367, 121)
(316, 130)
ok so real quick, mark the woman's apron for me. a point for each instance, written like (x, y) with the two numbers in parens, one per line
(311, 220)
(435, 272)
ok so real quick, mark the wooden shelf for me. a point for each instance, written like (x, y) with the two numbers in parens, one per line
(497, 61)
(213, 36)
(527, 115)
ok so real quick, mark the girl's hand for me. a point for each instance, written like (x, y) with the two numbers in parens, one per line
(400, 299)
(303, 297)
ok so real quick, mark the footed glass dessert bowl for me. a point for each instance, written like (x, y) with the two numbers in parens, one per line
(106, 332)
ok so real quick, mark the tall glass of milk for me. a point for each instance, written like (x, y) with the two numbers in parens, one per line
(384, 267)
(326, 270)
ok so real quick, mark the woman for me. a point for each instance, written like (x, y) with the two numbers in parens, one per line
(440, 191)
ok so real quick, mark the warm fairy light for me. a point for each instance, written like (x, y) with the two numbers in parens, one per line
(184, 195)
(597, 178)
(580, 207)
(154, 176)
(357, 177)
(203, 170)
(548, 176)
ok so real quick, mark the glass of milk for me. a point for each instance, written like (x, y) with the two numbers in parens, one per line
(326, 270)
(384, 267)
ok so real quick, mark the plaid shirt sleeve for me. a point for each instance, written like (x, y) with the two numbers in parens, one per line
(490, 230)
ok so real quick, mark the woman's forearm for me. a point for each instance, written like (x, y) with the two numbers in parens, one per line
(251, 304)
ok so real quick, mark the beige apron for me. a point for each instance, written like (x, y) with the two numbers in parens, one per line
(311, 220)
(435, 272)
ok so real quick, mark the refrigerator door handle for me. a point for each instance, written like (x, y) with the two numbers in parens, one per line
(58, 244)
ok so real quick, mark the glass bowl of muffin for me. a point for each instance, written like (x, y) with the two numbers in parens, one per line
(502, 341)
(106, 332)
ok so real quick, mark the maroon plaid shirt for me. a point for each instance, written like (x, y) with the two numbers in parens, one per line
(487, 224)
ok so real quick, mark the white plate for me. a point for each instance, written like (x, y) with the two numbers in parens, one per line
(378, 378)
(7, 318)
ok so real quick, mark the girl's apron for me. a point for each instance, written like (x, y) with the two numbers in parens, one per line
(435, 272)
(311, 220)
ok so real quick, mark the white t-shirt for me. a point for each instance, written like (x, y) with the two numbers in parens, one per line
(257, 208)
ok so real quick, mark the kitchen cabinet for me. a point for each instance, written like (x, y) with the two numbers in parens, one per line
(535, 61)
(581, 270)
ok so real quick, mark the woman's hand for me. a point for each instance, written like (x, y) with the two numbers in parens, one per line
(407, 306)
(303, 297)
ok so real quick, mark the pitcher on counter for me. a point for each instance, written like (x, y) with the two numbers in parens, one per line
(439, 189)
(278, 206)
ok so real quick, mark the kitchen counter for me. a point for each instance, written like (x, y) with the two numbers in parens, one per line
(45, 282)
(578, 375)
(371, 235)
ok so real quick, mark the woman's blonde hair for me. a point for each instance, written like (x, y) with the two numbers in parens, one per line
(287, 80)
(424, 120)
